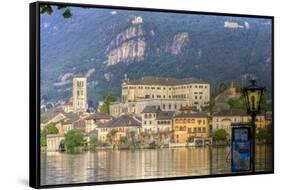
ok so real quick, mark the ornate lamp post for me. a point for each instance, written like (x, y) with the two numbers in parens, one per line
(253, 95)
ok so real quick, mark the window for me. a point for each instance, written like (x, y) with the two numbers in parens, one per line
(189, 130)
(182, 128)
(163, 106)
(150, 122)
(145, 116)
(170, 106)
(204, 130)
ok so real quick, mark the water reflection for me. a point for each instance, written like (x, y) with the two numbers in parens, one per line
(111, 165)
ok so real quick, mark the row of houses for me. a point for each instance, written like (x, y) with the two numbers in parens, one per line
(176, 127)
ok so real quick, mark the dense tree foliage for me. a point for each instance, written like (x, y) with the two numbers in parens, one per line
(48, 9)
(111, 135)
(220, 135)
(73, 139)
(43, 137)
(108, 99)
(239, 103)
(264, 135)
(94, 141)
(52, 129)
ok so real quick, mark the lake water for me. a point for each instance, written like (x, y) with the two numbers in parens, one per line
(112, 165)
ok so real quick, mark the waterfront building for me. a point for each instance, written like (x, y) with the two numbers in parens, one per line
(53, 142)
(186, 125)
(155, 120)
(92, 120)
(123, 126)
(224, 120)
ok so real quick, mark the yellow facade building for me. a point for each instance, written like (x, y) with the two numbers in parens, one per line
(187, 125)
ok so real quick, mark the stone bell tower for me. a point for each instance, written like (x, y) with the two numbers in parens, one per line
(79, 94)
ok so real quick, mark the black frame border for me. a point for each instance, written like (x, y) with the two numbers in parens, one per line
(34, 94)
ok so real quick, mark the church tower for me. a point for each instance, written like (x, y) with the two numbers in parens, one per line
(80, 94)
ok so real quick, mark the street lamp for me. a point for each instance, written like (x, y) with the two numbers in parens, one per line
(253, 95)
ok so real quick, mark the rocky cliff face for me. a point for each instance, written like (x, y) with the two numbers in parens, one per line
(178, 42)
(127, 46)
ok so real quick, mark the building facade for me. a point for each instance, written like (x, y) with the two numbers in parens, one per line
(92, 121)
(114, 130)
(186, 125)
(225, 119)
(155, 120)
(169, 94)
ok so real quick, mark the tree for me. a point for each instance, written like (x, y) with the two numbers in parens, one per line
(220, 135)
(51, 129)
(123, 140)
(111, 135)
(237, 103)
(94, 141)
(132, 135)
(43, 118)
(43, 137)
(222, 87)
(190, 139)
(265, 103)
(237, 86)
(109, 98)
(73, 138)
(264, 135)
(48, 9)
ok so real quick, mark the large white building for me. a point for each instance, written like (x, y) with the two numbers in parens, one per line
(169, 94)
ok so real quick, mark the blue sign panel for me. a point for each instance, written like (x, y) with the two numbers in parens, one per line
(241, 149)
